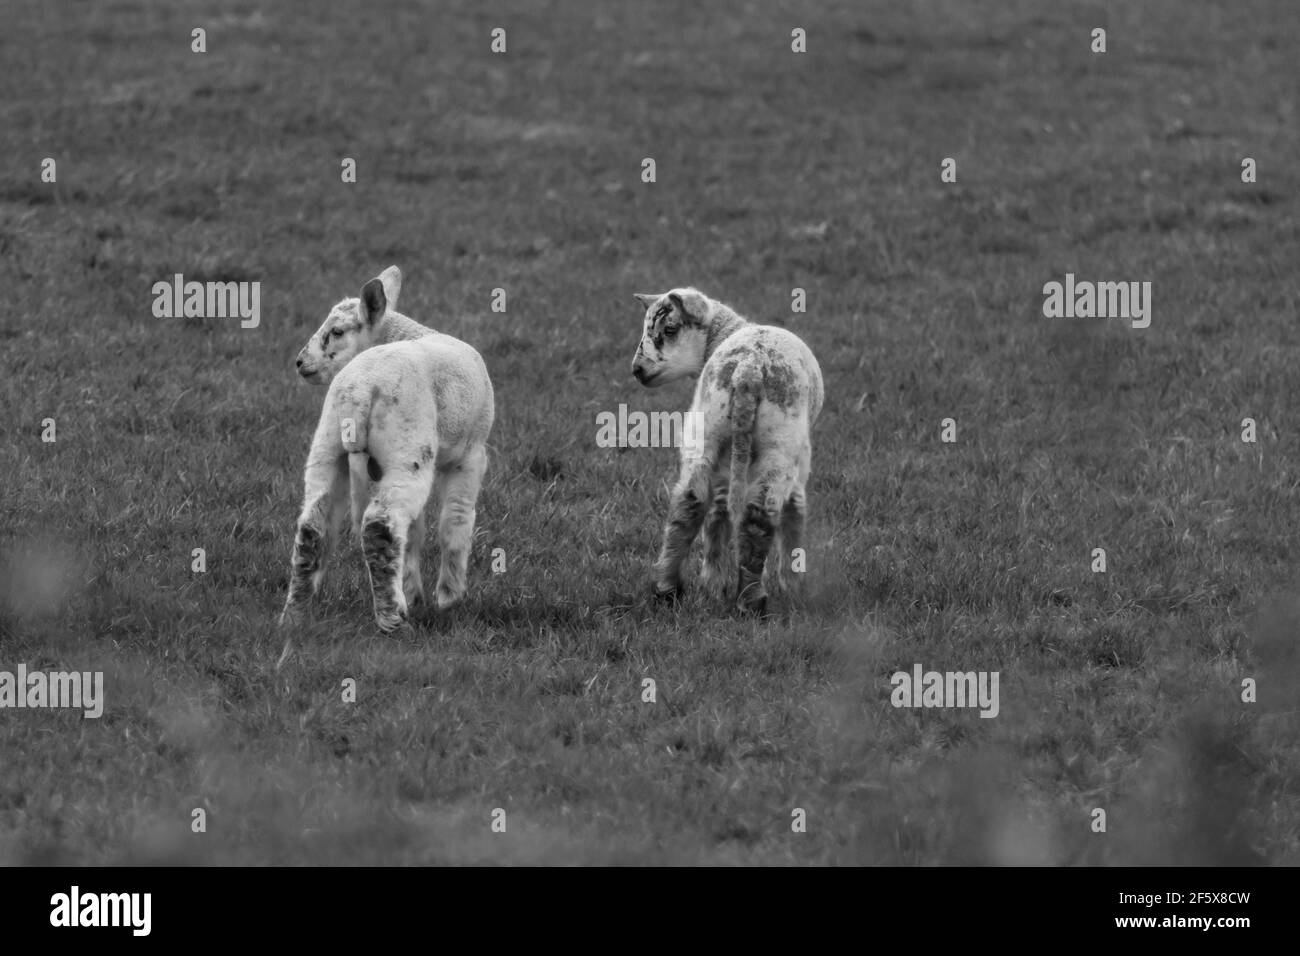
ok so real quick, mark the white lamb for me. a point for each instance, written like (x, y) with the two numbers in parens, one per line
(408, 408)
(758, 394)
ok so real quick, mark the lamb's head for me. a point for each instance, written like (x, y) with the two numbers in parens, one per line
(675, 337)
(349, 328)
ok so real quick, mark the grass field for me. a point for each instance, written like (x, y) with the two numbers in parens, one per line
(775, 170)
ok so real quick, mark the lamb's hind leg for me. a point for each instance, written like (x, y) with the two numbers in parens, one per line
(325, 503)
(790, 539)
(763, 503)
(412, 583)
(460, 487)
(794, 513)
(399, 497)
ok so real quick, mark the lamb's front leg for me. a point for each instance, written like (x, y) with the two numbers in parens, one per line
(685, 516)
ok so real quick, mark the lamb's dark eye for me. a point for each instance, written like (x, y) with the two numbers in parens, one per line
(336, 333)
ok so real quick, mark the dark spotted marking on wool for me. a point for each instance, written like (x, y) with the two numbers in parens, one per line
(378, 541)
(717, 529)
(780, 382)
(792, 524)
(780, 385)
(664, 324)
(722, 373)
(663, 334)
(687, 509)
(688, 317)
(381, 558)
(373, 469)
(308, 550)
(769, 355)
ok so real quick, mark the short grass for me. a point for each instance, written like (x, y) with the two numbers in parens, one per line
(521, 171)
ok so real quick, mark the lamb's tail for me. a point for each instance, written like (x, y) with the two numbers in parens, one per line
(743, 414)
(354, 428)
(359, 468)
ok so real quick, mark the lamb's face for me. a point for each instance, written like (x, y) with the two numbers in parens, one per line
(344, 333)
(351, 327)
(674, 337)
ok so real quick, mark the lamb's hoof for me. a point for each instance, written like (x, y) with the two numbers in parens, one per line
(757, 607)
(392, 621)
(447, 599)
(670, 595)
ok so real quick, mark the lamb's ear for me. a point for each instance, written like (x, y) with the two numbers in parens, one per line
(645, 298)
(374, 303)
(392, 280)
(690, 303)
